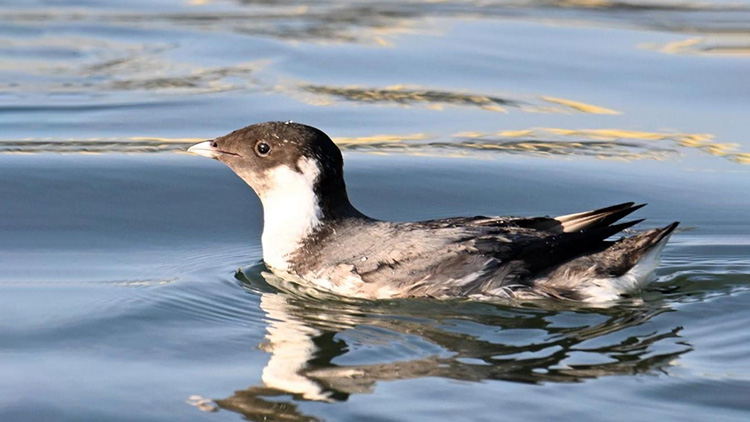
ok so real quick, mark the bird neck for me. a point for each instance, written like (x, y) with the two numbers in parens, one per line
(294, 213)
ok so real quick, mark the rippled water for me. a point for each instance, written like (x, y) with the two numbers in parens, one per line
(131, 286)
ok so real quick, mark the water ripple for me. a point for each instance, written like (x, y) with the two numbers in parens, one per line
(327, 350)
(605, 144)
(436, 99)
(377, 22)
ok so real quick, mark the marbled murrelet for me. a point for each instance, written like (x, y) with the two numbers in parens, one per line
(314, 234)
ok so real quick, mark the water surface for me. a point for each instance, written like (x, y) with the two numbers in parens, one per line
(131, 286)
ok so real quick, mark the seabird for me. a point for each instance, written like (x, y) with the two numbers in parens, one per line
(315, 236)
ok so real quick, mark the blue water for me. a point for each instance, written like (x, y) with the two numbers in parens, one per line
(131, 284)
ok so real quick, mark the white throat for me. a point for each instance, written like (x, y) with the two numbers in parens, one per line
(290, 211)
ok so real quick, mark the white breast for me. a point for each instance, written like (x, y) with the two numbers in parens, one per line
(290, 211)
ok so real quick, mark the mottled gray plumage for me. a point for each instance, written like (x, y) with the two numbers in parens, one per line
(343, 251)
(479, 256)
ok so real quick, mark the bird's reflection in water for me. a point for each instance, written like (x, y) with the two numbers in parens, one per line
(458, 340)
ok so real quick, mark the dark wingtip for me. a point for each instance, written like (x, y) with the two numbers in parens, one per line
(622, 213)
(608, 231)
(610, 209)
(668, 229)
(624, 205)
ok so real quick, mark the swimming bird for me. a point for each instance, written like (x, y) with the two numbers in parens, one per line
(314, 235)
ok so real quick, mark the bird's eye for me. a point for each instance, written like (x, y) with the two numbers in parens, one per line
(214, 144)
(263, 149)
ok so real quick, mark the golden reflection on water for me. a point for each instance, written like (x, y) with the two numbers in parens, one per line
(405, 96)
(603, 144)
(579, 106)
(96, 65)
(717, 45)
(345, 143)
(704, 142)
(402, 95)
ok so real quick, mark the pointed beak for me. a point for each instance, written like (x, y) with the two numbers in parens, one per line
(205, 149)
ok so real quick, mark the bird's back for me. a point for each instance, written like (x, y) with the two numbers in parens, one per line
(478, 257)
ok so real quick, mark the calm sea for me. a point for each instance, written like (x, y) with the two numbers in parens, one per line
(131, 284)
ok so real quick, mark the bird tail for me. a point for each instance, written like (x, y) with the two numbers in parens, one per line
(647, 256)
(627, 265)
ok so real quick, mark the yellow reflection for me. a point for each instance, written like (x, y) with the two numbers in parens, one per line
(702, 141)
(603, 134)
(582, 107)
(604, 144)
(380, 138)
(719, 44)
(742, 158)
(405, 96)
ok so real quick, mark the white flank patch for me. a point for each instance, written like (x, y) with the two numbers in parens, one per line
(290, 211)
(636, 278)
